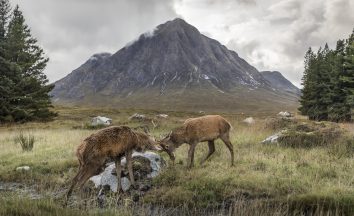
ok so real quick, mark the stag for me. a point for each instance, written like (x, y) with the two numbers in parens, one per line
(109, 144)
(194, 130)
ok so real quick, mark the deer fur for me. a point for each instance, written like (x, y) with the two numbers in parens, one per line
(194, 130)
(107, 144)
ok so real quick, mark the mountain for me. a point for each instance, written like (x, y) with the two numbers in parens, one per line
(172, 67)
(279, 82)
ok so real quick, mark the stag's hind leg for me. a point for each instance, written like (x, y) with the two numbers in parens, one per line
(128, 156)
(211, 146)
(74, 182)
(226, 139)
(88, 172)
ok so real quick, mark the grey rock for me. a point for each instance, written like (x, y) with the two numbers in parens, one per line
(285, 114)
(23, 168)
(249, 120)
(109, 177)
(137, 116)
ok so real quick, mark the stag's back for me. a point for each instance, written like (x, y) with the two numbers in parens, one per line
(207, 127)
(106, 143)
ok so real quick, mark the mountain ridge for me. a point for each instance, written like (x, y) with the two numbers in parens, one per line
(174, 60)
(279, 82)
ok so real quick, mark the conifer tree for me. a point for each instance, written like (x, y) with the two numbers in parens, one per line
(6, 84)
(25, 85)
(338, 110)
(321, 85)
(4, 18)
(347, 77)
(307, 95)
(328, 92)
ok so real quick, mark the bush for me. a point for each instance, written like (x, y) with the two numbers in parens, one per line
(310, 135)
(26, 142)
(278, 123)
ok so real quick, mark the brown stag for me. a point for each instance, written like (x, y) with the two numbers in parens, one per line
(107, 144)
(195, 130)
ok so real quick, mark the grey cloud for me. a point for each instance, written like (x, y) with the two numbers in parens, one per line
(243, 49)
(284, 12)
(270, 34)
(71, 31)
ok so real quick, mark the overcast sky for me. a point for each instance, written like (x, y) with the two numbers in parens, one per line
(269, 34)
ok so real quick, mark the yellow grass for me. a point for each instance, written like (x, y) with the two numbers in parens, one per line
(261, 172)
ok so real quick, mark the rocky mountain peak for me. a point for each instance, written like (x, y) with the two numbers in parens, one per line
(174, 58)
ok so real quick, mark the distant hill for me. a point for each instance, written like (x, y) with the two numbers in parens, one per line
(280, 83)
(173, 67)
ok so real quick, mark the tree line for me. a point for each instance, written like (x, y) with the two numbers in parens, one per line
(24, 88)
(328, 82)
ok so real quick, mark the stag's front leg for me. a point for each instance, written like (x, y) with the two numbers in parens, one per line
(119, 175)
(129, 158)
(191, 155)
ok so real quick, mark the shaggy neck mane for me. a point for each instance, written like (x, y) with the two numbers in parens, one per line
(178, 135)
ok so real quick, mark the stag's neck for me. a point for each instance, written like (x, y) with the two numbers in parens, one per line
(179, 135)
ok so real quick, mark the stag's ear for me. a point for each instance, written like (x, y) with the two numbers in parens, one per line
(169, 135)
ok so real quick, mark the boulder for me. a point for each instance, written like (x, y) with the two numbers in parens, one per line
(137, 116)
(273, 138)
(23, 168)
(162, 116)
(249, 120)
(145, 166)
(100, 120)
(285, 114)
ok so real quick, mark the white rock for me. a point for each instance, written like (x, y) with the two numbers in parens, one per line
(106, 177)
(249, 120)
(285, 114)
(23, 168)
(162, 116)
(101, 120)
(274, 138)
(137, 116)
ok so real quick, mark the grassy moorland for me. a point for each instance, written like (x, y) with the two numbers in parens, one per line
(266, 179)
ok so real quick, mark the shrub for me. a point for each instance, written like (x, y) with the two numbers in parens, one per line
(310, 135)
(26, 142)
(278, 123)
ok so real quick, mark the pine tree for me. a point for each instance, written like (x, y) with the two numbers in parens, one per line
(27, 84)
(322, 88)
(338, 110)
(328, 92)
(4, 17)
(307, 95)
(347, 77)
(6, 68)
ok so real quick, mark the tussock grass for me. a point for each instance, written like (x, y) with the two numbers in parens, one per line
(26, 142)
(271, 178)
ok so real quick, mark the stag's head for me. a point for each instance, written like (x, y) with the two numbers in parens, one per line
(168, 146)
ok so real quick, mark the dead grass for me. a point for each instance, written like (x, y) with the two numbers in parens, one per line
(317, 179)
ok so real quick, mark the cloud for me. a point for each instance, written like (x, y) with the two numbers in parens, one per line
(71, 31)
(269, 34)
(272, 34)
